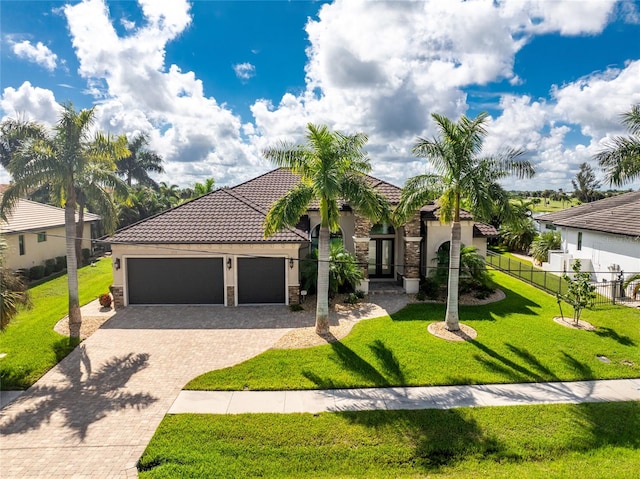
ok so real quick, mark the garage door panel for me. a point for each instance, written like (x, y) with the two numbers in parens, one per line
(261, 280)
(175, 280)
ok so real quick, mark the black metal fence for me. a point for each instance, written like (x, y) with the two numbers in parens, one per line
(610, 292)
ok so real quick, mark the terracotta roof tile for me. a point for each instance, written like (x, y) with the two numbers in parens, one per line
(222, 216)
(483, 230)
(430, 212)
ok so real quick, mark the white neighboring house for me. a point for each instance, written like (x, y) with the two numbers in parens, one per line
(604, 235)
(34, 232)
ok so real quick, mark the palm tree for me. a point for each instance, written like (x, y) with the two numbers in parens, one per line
(332, 167)
(200, 189)
(140, 161)
(62, 159)
(463, 179)
(621, 157)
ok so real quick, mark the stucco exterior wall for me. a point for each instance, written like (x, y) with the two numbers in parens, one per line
(36, 253)
(226, 251)
(601, 251)
(438, 233)
(347, 226)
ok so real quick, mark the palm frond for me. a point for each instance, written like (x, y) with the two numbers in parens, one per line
(286, 211)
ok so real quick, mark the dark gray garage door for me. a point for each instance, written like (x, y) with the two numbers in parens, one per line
(261, 280)
(175, 280)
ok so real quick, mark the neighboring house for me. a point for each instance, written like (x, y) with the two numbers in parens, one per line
(212, 250)
(34, 232)
(604, 235)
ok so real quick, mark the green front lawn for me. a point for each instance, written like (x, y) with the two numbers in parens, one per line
(588, 441)
(517, 342)
(31, 345)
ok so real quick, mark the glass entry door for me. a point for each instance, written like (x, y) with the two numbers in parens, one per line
(381, 258)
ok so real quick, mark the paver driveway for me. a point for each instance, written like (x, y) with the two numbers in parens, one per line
(95, 412)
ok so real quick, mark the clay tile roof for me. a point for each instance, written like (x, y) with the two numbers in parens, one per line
(266, 189)
(222, 216)
(618, 215)
(430, 212)
(483, 230)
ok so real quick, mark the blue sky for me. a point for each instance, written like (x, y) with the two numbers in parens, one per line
(215, 82)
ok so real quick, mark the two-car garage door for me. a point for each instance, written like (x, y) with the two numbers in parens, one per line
(175, 280)
(201, 280)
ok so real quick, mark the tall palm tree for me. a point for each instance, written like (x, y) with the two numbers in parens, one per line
(332, 167)
(140, 161)
(621, 157)
(63, 159)
(462, 178)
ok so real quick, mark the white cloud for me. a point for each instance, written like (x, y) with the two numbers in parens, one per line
(139, 92)
(30, 103)
(38, 53)
(244, 71)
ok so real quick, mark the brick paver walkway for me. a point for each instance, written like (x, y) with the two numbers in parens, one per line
(95, 412)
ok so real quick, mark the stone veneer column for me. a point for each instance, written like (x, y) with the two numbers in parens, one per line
(361, 245)
(294, 294)
(412, 239)
(231, 296)
(118, 296)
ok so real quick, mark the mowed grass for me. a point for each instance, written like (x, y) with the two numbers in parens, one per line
(31, 345)
(553, 206)
(517, 342)
(552, 441)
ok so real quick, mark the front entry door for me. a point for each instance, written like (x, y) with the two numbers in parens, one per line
(381, 258)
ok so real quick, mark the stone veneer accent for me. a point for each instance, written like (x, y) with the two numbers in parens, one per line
(412, 247)
(361, 243)
(231, 296)
(294, 294)
(118, 296)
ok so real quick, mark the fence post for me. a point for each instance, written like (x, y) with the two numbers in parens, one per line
(544, 281)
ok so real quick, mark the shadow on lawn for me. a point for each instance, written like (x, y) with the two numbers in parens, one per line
(438, 438)
(83, 398)
(604, 332)
(388, 373)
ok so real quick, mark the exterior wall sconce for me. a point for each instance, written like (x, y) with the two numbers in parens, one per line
(228, 263)
(116, 263)
(291, 263)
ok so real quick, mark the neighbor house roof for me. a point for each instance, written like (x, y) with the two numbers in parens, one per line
(616, 215)
(29, 215)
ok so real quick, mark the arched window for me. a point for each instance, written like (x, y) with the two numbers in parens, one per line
(335, 237)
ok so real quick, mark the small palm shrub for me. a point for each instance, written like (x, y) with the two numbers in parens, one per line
(344, 272)
(518, 235)
(544, 243)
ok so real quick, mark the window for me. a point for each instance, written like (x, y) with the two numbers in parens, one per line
(579, 240)
(335, 237)
(42, 237)
(21, 244)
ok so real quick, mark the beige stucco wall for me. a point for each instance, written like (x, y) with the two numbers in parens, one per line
(347, 226)
(233, 251)
(36, 253)
(439, 233)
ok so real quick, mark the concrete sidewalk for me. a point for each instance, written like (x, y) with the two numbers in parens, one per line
(437, 397)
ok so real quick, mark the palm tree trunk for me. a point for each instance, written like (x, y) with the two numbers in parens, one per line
(79, 232)
(322, 300)
(451, 318)
(75, 317)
